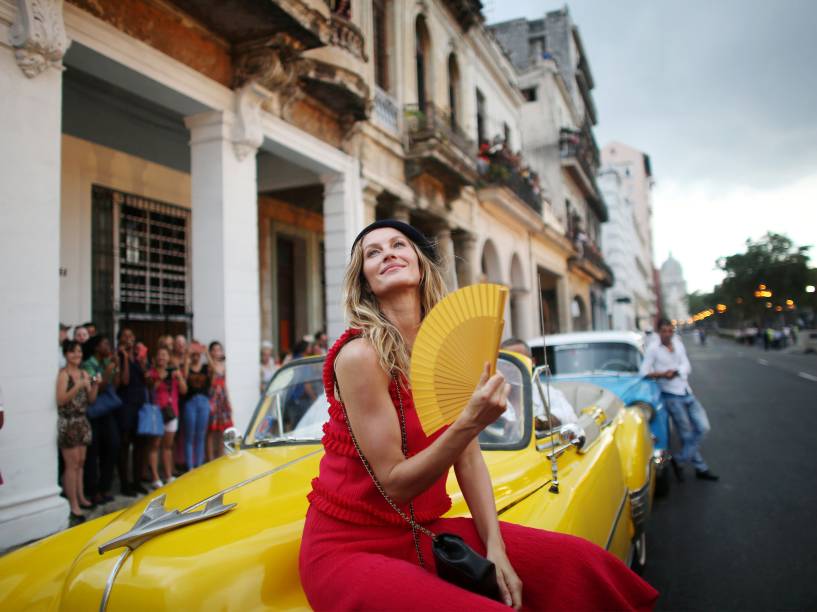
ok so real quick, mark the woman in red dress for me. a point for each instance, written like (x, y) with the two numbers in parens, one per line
(357, 552)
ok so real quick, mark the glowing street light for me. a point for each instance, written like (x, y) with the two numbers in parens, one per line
(810, 289)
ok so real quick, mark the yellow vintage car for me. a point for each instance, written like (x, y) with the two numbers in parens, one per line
(226, 536)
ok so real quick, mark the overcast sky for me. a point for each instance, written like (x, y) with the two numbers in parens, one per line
(722, 94)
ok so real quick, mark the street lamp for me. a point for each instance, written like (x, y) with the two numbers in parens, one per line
(810, 289)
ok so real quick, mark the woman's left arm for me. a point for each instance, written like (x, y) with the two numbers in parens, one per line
(475, 483)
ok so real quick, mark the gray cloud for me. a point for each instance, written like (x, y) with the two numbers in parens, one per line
(722, 92)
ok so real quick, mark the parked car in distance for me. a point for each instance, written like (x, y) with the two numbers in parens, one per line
(226, 535)
(611, 359)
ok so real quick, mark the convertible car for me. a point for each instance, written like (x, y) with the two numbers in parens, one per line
(611, 359)
(226, 535)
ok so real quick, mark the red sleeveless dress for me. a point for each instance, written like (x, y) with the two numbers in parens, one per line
(358, 554)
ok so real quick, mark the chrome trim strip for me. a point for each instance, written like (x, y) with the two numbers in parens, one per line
(111, 577)
(253, 479)
(615, 523)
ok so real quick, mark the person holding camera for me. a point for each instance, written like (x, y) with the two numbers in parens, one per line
(167, 383)
(75, 390)
(103, 453)
(666, 362)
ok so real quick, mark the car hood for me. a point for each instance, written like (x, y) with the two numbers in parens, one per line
(245, 558)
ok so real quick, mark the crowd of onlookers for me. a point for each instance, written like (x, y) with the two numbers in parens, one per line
(768, 336)
(102, 389)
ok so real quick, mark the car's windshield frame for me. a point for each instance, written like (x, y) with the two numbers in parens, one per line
(260, 410)
(591, 345)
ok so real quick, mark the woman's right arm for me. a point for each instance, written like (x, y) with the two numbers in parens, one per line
(377, 427)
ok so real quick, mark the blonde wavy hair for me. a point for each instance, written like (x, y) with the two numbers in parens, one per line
(363, 310)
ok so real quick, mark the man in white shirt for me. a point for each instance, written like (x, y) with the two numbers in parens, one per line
(666, 362)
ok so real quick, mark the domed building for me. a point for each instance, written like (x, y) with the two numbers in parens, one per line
(674, 290)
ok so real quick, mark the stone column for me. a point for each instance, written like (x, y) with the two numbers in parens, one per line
(564, 304)
(445, 251)
(369, 205)
(225, 240)
(30, 124)
(466, 264)
(342, 219)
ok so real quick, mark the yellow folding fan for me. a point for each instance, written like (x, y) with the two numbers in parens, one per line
(455, 340)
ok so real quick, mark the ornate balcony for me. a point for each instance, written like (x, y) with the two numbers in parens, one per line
(589, 258)
(335, 74)
(386, 111)
(580, 157)
(439, 148)
(503, 168)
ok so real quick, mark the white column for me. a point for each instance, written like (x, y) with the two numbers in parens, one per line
(445, 252)
(30, 124)
(225, 246)
(343, 217)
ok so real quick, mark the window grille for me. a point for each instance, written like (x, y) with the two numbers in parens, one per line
(148, 245)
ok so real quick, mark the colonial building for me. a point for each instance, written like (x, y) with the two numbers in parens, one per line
(674, 290)
(626, 181)
(203, 167)
(557, 124)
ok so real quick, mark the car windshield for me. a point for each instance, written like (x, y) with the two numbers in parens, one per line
(579, 358)
(294, 408)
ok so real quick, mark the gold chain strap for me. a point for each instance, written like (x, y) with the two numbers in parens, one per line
(415, 526)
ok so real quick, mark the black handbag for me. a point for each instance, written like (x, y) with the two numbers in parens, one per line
(456, 562)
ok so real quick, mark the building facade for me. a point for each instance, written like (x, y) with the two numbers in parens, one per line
(202, 168)
(674, 291)
(557, 123)
(626, 181)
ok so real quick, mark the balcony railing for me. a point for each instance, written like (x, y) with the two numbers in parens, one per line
(425, 122)
(386, 111)
(576, 144)
(501, 167)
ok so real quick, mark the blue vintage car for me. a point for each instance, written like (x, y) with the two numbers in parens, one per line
(611, 359)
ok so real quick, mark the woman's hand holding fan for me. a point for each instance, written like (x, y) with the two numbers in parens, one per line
(488, 401)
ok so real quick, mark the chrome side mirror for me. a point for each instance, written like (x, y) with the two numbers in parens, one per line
(232, 440)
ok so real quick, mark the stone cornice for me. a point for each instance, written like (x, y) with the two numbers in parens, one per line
(38, 36)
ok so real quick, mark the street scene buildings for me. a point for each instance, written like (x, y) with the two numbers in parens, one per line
(201, 168)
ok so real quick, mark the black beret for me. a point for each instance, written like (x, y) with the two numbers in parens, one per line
(412, 233)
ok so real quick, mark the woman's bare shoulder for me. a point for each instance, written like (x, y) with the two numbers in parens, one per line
(357, 352)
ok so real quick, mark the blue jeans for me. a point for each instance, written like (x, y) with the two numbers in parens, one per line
(196, 416)
(692, 423)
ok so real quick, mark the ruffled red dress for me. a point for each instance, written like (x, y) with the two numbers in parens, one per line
(358, 554)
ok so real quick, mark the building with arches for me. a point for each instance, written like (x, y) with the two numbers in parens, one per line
(182, 167)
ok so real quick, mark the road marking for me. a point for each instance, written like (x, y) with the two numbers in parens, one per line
(762, 362)
(807, 376)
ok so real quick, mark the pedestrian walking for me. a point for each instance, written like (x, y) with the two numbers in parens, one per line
(196, 413)
(103, 452)
(221, 412)
(132, 391)
(167, 384)
(666, 362)
(75, 390)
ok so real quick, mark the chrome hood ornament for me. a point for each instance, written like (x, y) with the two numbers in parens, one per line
(155, 520)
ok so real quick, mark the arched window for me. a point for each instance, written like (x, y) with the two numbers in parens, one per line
(454, 89)
(422, 42)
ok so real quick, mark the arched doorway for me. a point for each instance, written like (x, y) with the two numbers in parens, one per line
(490, 266)
(578, 311)
(518, 293)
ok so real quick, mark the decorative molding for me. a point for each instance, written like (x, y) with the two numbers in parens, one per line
(38, 36)
(248, 129)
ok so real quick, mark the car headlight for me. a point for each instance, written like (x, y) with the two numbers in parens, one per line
(644, 408)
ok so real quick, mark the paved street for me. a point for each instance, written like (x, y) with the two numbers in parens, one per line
(748, 542)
